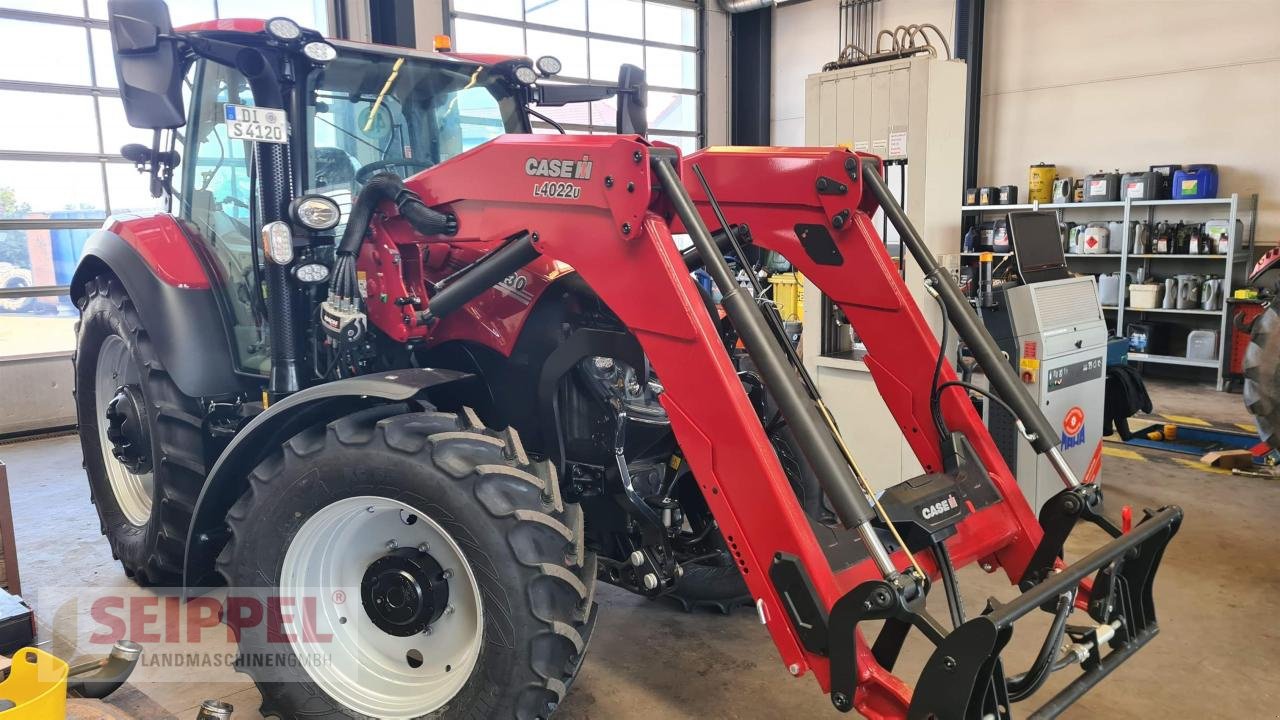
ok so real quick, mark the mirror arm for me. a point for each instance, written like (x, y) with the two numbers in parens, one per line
(561, 95)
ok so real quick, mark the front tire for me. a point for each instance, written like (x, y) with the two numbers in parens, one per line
(144, 502)
(453, 496)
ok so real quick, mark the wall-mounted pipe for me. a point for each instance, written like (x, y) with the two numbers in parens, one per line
(741, 6)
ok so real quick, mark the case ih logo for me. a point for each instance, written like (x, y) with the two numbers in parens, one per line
(942, 507)
(567, 169)
(1073, 428)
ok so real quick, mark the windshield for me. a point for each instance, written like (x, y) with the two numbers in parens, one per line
(372, 110)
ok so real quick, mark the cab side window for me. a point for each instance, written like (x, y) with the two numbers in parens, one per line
(216, 202)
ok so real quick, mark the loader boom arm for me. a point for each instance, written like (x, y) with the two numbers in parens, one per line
(615, 227)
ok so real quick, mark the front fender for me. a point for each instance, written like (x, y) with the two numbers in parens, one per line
(321, 404)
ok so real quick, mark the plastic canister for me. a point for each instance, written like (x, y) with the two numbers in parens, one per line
(1040, 182)
(1102, 187)
(1062, 192)
(1202, 345)
(1211, 294)
(1170, 294)
(1109, 289)
(1140, 234)
(1094, 239)
(1116, 235)
(1141, 185)
(1219, 234)
(1188, 291)
(1000, 237)
(1195, 182)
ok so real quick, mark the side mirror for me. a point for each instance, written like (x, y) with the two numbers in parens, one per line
(633, 101)
(148, 63)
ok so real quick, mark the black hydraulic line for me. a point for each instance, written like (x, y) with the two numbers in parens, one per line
(811, 433)
(389, 186)
(1022, 686)
(955, 605)
(483, 275)
(970, 329)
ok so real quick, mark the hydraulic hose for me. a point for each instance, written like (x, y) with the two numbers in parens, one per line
(1023, 686)
(389, 186)
(385, 186)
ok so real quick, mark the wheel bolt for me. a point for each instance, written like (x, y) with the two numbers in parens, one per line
(392, 544)
(448, 610)
(423, 547)
(446, 574)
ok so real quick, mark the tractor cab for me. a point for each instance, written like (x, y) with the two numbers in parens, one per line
(261, 121)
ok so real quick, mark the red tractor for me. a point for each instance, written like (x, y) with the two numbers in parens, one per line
(434, 409)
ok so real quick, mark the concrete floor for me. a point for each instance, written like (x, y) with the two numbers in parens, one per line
(1218, 597)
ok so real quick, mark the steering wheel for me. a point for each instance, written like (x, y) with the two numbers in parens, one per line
(366, 172)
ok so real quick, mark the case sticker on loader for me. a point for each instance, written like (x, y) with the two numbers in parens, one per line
(257, 124)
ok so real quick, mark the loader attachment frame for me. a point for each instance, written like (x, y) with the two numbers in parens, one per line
(814, 585)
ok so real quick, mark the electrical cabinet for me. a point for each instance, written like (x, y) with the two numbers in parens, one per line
(911, 113)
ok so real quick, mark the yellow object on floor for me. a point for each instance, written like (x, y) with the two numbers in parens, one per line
(36, 686)
(1186, 420)
(788, 295)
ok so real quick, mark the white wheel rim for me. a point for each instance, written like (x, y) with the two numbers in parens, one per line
(132, 491)
(367, 669)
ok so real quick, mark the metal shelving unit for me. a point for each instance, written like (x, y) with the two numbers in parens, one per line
(1229, 263)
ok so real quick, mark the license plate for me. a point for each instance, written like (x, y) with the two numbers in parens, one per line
(257, 124)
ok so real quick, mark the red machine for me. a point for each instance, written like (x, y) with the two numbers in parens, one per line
(500, 383)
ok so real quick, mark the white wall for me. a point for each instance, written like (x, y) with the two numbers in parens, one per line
(1093, 84)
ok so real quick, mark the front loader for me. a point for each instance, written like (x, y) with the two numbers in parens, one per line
(434, 410)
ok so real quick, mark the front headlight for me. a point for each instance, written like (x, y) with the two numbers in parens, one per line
(317, 212)
(283, 29)
(526, 75)
(321, 52)
(277, 242)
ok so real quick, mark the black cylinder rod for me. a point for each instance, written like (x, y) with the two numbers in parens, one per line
(811, 433)
(970, 329)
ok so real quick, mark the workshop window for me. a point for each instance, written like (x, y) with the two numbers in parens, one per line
(61, 172)
(592, 38)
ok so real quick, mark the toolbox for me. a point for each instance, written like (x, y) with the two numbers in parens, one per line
(1195, 182)
(1102, 187)
(1141, 185)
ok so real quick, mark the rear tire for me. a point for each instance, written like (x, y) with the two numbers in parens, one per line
(145, 515)
(1262, 375)
(494, 513)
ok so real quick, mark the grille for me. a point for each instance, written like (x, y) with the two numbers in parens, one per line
(1066, 304)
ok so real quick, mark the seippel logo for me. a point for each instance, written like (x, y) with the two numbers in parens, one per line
(555, 168)
(942, 507)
